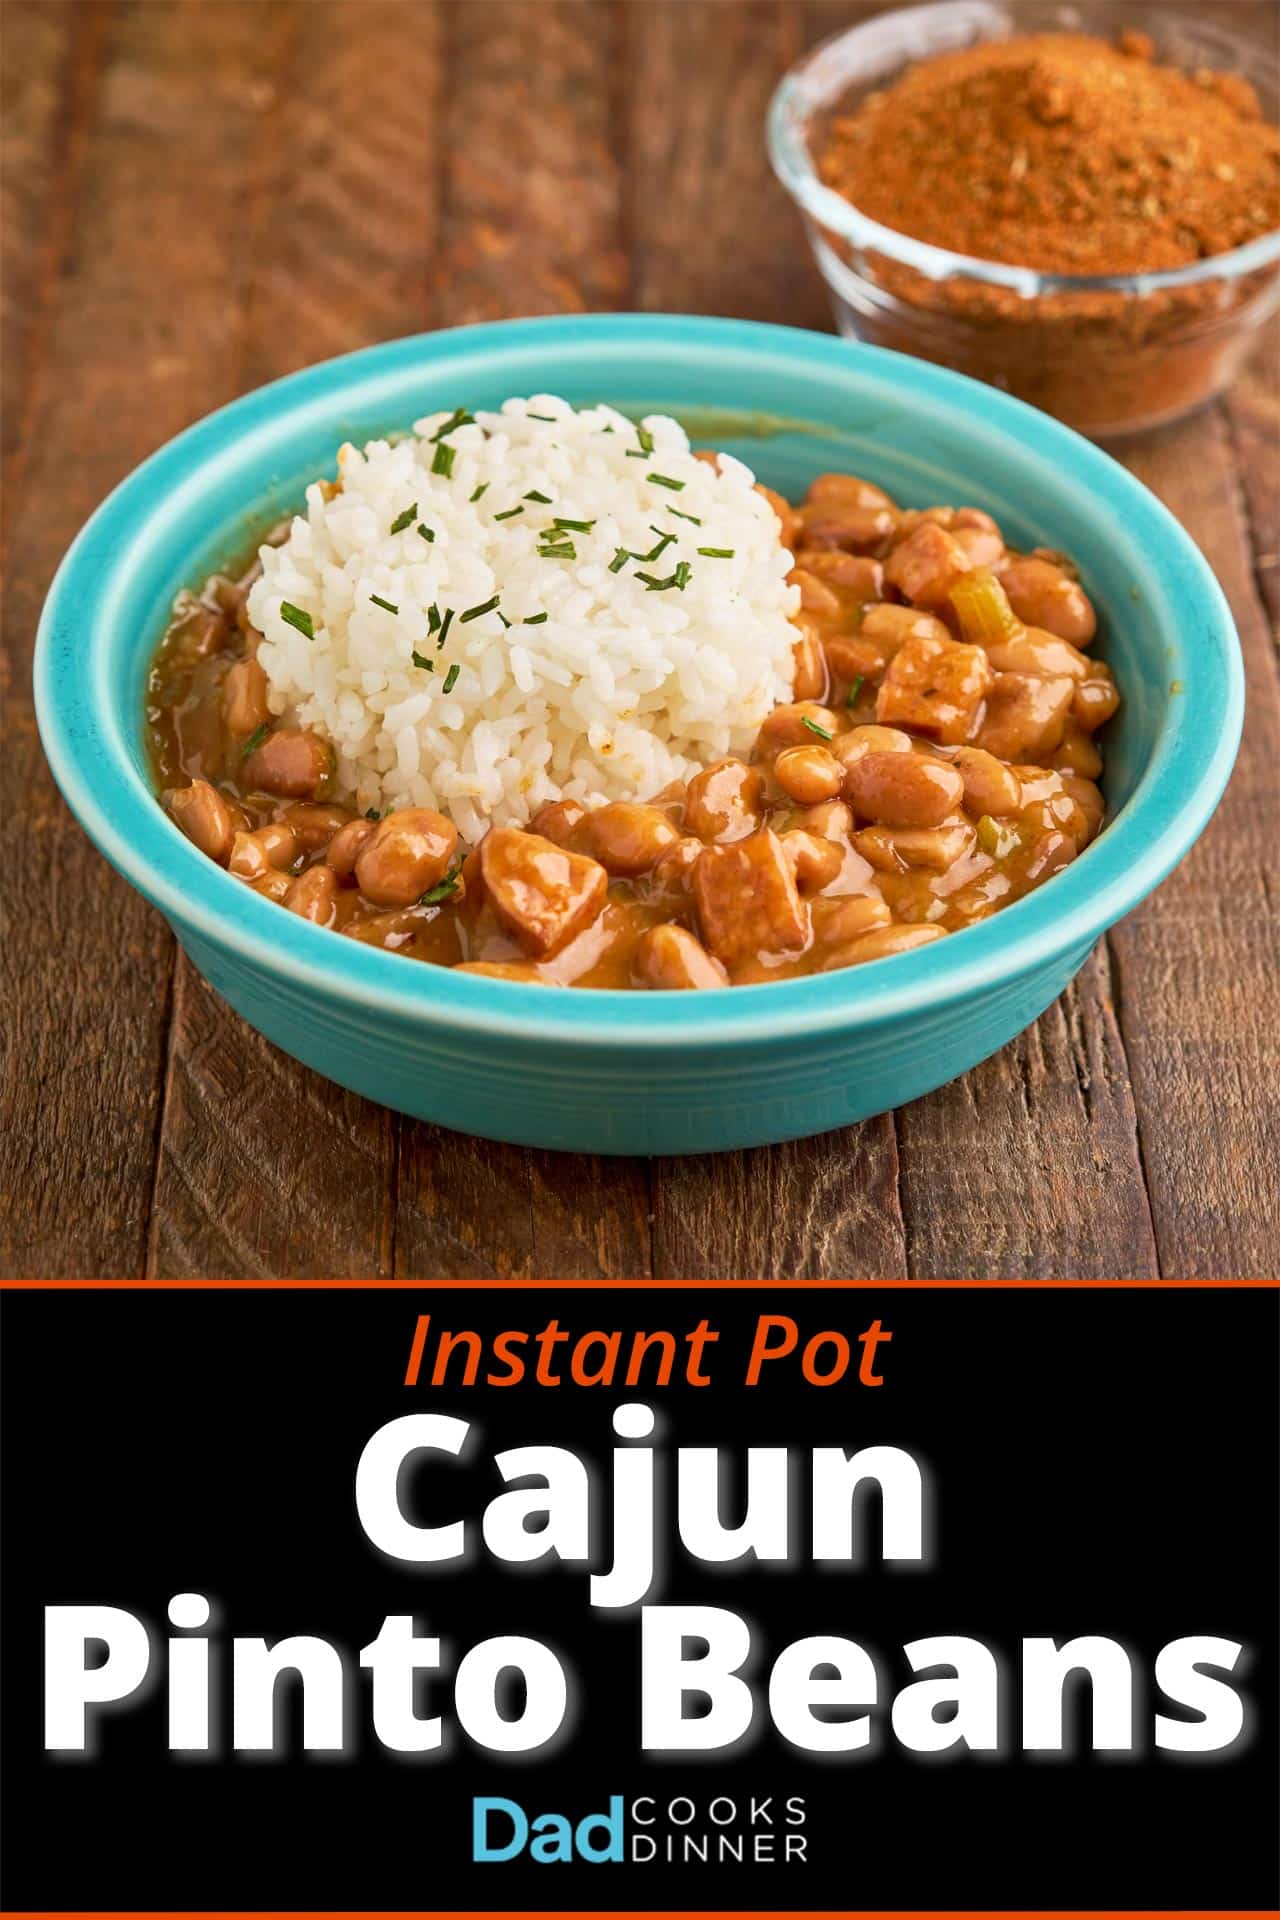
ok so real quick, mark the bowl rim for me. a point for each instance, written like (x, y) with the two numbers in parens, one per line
(793, 165)
(1164, 815)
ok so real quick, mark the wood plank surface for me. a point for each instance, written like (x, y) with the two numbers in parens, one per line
(345, 266)
(198, 198)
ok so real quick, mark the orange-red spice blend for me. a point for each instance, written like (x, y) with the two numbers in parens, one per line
(1063, 153)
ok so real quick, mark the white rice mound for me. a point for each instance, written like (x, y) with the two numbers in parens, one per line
(620, 690)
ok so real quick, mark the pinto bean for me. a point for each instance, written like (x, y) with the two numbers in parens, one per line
(313, 895)
(814, 861)
(244, 699)
(893, 849)
(815, 595)
(726, 800)
(542, 894)
(345, 846)
(273, 846)
(854, 575)
(558, 820)
(272, 885)
(903, 789)
(837, 921)
(989, 785)
(808, 774)
(314, 822)
(811, 679)
(1094, 702)
(842, 510)
(1045, 595)
(672, 874)
(983, 544)
(406, 854)
(1076, 752)
(204, 816)
(881, 944)
(669, 957)
(830, 820)
(626, 838)
(290, 761)
(524, 970)
(888, 626)
(1089, 800)
(860, 741)
(1049, 855)
(1036, 652)
(793, 726)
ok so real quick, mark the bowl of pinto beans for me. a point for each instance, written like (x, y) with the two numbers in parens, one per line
(979, 693)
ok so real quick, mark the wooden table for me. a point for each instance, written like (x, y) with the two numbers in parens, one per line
(203, 195)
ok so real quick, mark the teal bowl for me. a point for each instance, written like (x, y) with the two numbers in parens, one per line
(615, 1072)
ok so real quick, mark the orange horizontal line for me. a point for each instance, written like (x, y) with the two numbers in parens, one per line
(538, 1286)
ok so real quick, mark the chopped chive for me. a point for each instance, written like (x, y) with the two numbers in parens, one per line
(443, 460)
(482, 489)
(450, 678)
(645, 438)
(295, 617)
(665, 540)
(371, 813)
(692, 517)
(426, 533)
(405, 519)
(619, 560)
(474, 613)
(550, 418)
(421, 660)
(573, 526)
(433, 618)
(510, 513)
(543, 499)
(378, 601)
(443, 888)
(444, 631)
(665, 480)
(636, 453)
(851, 699)
(718, 553)
(566, 551)
(533, 620)
(813, 727)
(255, 740)
(655, 585)
(683, 574)
(458, 418)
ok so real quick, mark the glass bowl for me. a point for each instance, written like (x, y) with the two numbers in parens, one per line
(1109, 354)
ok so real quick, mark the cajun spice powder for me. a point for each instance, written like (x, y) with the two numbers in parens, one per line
(1063, 153)
(1067, 155)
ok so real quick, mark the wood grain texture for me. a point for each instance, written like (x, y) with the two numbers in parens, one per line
(1198, 965)
(85, 963)
(332, 224)
(579, 155)
(988, 1189)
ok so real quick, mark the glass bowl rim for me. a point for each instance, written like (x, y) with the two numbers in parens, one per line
(793, 166)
